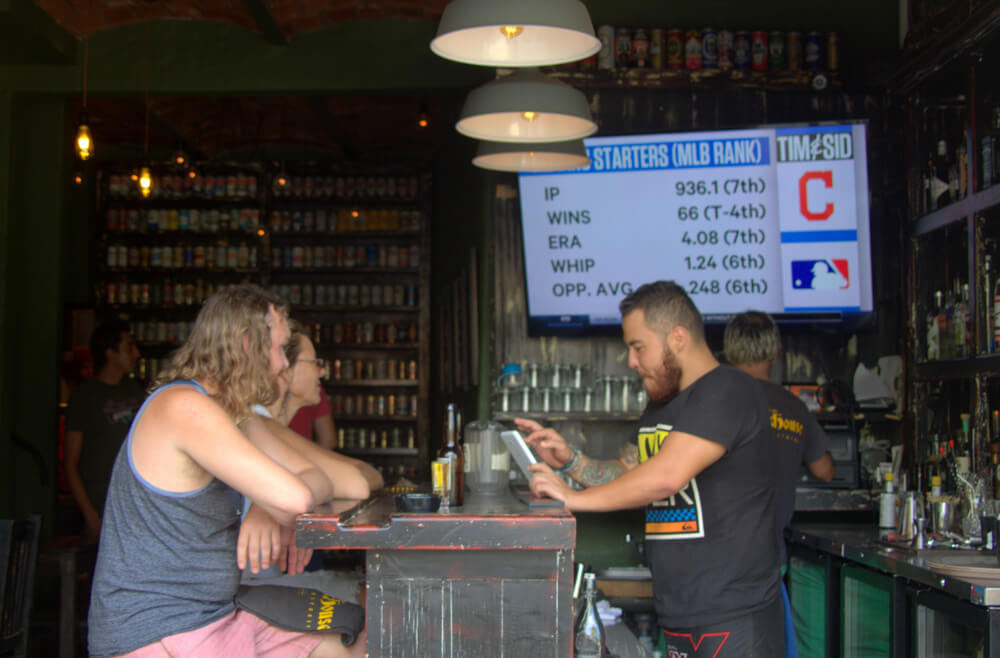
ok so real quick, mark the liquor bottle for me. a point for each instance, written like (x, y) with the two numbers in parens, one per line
(887, 507)
(588, 632)
(962, 158)
(452, 451)
(939, 186)
(934, 318)
(988, 308)
(960, 323)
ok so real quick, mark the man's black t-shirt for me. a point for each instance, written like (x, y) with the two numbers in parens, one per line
(712, 546)
(799, 440)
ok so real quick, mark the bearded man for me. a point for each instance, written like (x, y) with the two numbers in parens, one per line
(701, 462)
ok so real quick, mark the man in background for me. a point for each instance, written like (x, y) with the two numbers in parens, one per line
(752, 344)
(97, 420)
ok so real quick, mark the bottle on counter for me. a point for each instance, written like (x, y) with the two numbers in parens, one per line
(452, 451)
(887, 507)
(589, 640)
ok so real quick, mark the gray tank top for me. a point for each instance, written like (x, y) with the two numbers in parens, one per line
(166, 562)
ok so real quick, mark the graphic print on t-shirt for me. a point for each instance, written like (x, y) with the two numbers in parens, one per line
(678, 516)
(786, 429)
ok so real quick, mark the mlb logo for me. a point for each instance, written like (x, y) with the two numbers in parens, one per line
(823, 274)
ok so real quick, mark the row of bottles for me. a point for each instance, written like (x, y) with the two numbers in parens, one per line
(165, 293)
(221, 255)
(709, 49)
(177, 185)
(388, 295)
(947, 325)
(403, 188)
(384, 334)
(394, 473)
(203, 220)
(363, 438)
(367, 369)
(345, 220)
(957, 162)
(371, 405)
(345, 256)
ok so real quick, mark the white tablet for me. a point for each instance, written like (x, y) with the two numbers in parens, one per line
(520, 450)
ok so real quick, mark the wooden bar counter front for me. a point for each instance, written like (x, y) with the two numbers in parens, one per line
(491, 578)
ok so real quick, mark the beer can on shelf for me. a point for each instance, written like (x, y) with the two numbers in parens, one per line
(758, 51)
(692, 50)
(657, 46)
(640, 49)
(741, 50)
(793, 51)
(813, 51)
(776, 51)
(709, 48)
(725, 50)
(623, 48)
(675, 49)
(832, 51)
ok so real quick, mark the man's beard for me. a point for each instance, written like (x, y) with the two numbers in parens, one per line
(666, 381)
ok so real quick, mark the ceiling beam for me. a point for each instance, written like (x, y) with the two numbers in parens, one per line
(265, 22)
(163, 126)
(330, 125)
(29, 36)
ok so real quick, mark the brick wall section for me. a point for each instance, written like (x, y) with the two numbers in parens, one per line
(84, 17)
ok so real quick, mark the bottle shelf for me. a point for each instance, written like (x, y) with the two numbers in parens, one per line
(359, 309)
(376, 419)
(958, 211)
(962, 368)
(371, 383)
(350, 347)
(344, 270)
(800, 79)
(561, 416)
(380, 452)
(346, 236)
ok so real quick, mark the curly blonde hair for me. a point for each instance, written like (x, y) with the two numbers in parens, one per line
(214, 349)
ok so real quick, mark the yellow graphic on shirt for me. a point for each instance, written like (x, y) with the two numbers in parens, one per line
(678, 516)
(786, 429)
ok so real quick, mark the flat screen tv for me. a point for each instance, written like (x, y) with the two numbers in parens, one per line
(774, 218)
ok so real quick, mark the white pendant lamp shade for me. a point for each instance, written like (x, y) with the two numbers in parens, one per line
(526, 106)
(555, 156)
(504, 33)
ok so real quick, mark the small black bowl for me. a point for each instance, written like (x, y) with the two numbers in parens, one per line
(418, 502)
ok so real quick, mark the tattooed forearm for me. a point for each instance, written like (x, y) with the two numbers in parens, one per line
(592, 472)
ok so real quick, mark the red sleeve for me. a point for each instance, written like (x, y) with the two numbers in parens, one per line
(303, 422)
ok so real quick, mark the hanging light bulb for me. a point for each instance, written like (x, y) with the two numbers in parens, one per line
(282, 178)
(192, 173)
(78, 178)
(145, 182)
(84, 142)
(180, 158)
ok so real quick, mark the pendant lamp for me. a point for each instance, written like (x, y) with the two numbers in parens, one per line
(526, 106)
(552, 156)
(84, 141)
(515, 33)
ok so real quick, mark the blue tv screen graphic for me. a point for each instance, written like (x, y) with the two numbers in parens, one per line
(823, 274)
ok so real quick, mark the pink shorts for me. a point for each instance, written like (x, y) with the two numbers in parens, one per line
(237, 634)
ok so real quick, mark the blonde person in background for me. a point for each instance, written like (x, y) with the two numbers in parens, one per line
(172, 544)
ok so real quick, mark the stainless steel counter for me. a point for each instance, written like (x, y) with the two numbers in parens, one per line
(860, 544)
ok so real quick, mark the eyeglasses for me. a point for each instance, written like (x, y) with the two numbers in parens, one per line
(320, 363)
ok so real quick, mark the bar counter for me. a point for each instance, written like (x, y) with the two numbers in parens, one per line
(861, 544)
(493, 577)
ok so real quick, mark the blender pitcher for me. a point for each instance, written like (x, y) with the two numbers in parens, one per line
(487, 461)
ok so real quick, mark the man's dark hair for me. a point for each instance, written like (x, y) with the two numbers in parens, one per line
(107, 336)
(666, 305)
